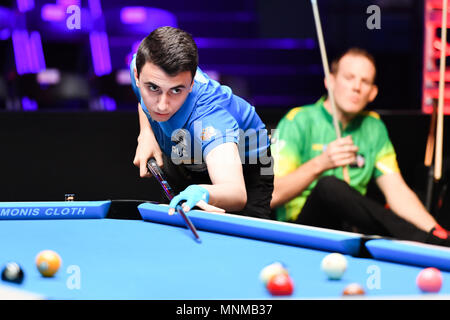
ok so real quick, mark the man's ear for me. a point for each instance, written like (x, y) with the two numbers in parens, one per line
(136, 78)
(373, 93)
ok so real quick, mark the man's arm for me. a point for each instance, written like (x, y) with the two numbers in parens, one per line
(227, 190)
(404, 202)
(338, 153)
(147, 145)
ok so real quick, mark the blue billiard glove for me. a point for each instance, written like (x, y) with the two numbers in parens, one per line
(192, 195)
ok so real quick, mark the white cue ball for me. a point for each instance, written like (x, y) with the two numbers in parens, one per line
(334, 265)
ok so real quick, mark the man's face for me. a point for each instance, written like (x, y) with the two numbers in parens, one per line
(163, 95)
(353, 85)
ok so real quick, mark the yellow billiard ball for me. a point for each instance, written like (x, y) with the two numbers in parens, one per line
(48, 262)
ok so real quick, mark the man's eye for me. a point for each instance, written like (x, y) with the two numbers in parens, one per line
(176, 91)
(153, 88)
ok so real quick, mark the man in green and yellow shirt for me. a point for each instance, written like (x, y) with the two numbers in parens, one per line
(309, 161)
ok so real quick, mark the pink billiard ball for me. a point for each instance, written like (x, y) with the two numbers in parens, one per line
(429, 280)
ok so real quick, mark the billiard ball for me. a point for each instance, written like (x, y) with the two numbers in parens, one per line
(429, 280)
(280, 285)
(271, 270)
(69, 197)
(353, 289)
(48, 262)
(334, 265)
(12, 272)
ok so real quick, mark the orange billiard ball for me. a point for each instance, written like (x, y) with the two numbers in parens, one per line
(48, 262)
(353, 289)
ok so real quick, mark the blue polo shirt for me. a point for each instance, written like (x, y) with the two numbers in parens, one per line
(211, 115)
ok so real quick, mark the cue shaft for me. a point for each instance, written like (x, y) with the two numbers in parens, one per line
(440, 111)
(152, 166)
(431, 140)
(326, 70)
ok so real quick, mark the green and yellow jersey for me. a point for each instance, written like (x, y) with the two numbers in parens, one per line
(304, 133)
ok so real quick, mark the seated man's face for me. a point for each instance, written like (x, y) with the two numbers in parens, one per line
(353, 84)
(163, 95)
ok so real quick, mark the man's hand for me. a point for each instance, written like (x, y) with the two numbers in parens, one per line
(339, 153)
(147, 147)
(194, 195)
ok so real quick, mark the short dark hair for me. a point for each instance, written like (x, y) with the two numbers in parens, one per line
(171, 49)
(354, 51)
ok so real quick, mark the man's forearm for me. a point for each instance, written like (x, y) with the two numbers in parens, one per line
(144, 125)
(293, 184)
(408, 206)
(404, 202)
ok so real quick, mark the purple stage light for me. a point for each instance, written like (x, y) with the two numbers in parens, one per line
(53, 12)
(108, 103)
(29, 104)
(28, 52)
(37, 53)
(133, 15)
(25, 5)
(20, 51)
(100, 53)
(5, 34)
(67, 3)
(144, 19)
(123, 77)
(6, 18)
(96, 8)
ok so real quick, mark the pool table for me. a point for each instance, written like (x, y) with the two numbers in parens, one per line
(155, 257)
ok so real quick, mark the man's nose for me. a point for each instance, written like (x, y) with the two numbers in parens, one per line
(357, 85)
(163, 104)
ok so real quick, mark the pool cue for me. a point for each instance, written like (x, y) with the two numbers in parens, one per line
(428, 161)
(326, 70)
(156, 171)
(440, 110)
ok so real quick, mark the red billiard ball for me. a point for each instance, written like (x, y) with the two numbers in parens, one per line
(353, 289)
(280, 285)
(429, 280)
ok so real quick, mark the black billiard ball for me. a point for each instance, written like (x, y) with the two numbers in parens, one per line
(12, 272)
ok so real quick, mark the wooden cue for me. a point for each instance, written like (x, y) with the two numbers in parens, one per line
(326, 70)
(440, 110)
(429, 151)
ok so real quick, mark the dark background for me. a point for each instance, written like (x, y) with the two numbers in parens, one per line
(265, 50)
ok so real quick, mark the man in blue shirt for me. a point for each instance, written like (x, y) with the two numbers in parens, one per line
(211, 143)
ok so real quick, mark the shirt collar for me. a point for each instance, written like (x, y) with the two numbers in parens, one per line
(351, 125)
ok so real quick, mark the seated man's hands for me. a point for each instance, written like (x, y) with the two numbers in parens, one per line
(339, 153)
